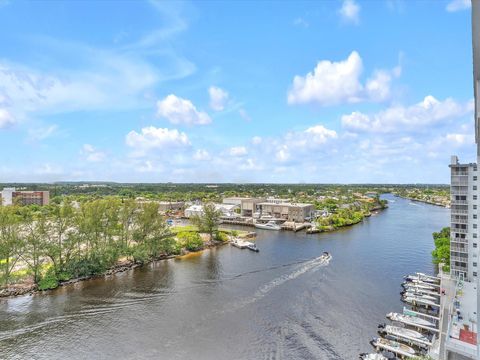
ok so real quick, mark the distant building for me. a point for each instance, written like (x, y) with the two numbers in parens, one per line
(165, 206)
(10, 196)
(248, 205)
(287, 211)
(227, 210)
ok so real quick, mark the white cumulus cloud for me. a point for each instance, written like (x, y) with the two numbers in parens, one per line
(457, 5)
(338, 82)
(156, 138)
(415, 117)
(218, 98)
(181, 111)
(350, 12)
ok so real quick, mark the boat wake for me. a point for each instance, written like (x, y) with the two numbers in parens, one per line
(308, 266)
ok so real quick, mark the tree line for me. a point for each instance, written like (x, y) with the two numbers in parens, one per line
(70, 240)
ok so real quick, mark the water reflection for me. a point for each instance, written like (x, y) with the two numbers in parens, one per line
(228, 303)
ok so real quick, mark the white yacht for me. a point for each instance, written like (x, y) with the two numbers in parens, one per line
(415, 300)
(410, 293)
(410, 320)
(404, 334)
(393, 346)
(271, 225)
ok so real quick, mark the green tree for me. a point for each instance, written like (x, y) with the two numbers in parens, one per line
(11, 244)
(151, 229)
(208, 222)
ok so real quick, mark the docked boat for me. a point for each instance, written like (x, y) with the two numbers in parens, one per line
(271, 225)
(407, 285)
(393, 346)
(372, 356)
(253, 247)
(420, 291)
(409, 293)
(423, 278)
(415, 300)
(404, 334)
(410, 320)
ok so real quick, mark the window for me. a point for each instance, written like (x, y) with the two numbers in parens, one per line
(474, 244)
(474, 226)
(474, 216)
(475, 273)
(474, 207)
(475, 264)
(474, 178)
(474, 197)
(475, 235)
(474, 187)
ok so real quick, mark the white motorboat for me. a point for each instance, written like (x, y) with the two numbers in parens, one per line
(253, 247)
(393, 346)
(423, 278)
(326, 256)
(420, 291)
(410, 320)
(415, 300)
(373, 356)
(410, 293)
(271, 225)
(404, 334)
(407, 285)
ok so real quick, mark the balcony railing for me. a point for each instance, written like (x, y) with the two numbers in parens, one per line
(459, 231)
(457, 248)
(459, 221)
(459, 259)
(458, 212)
(459, 182)
(459, 202)
(458, 240)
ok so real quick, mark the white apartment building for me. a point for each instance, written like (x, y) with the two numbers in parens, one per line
(464, 311)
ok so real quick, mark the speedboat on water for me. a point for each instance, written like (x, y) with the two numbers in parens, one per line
(410, 320)
(271, 225)
(326, 255)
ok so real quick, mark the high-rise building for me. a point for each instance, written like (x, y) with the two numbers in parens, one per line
(462, 337)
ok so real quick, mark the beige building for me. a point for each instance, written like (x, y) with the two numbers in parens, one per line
(9, 196)
(288, 211)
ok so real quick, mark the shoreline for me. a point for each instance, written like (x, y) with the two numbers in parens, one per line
(24, 289)
(423, 201)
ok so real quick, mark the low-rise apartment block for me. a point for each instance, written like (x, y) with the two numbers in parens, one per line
(10, 196)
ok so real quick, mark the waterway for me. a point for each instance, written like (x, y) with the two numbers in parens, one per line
(227, 303)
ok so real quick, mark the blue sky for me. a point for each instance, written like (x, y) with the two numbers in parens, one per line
(333, 91)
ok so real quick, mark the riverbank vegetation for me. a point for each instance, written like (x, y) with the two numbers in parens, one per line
(441, 254)
(56, 243)
(435, 195)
